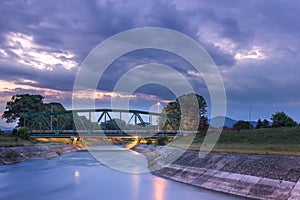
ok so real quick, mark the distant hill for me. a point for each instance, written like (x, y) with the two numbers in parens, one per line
(228, 121)
(3, 128)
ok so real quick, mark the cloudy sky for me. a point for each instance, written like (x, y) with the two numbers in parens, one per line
(255, 45)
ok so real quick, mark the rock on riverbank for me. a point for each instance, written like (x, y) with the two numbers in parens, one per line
(254, 176)
(10, 155)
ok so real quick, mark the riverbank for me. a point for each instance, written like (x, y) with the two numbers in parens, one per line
(246, 175)
(9, 155)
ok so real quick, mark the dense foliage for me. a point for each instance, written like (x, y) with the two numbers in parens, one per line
(149, 141)
(23, 133)
(242, 125)
(21, 104)
(262, 124)
(192, 108)
(280, 119)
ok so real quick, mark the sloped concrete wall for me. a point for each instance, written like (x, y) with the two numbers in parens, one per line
(10, 155)
(253, 176)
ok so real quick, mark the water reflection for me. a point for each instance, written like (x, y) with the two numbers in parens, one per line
(77, 177)
(121, 159)
(76, 173)
(136, 185)
(159, 188)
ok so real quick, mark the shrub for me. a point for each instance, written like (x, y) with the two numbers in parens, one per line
(161, 140)
(23, 133)
(242, 125)
(149, 141)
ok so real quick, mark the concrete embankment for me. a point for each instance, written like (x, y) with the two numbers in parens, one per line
(253, 176)
(10, 155)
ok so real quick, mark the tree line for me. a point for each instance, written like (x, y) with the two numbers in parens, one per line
(191, 107)
(279, 119)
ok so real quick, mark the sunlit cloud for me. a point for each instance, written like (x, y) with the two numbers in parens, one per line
(226, 45)
(107, 95)
(92, 94)
(27, 81)
(13, 88)
(255, 53)
(194, 73)
(3, 53)
(34, 55)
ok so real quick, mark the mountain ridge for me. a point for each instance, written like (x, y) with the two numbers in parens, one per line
(228, 122)
(4, 128)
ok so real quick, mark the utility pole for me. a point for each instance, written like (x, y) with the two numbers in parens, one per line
(51, 116)
(250, 107)
(158, 105)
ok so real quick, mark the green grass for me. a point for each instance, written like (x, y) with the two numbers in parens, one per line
(289, 135)
(9, 141)
(275, 141)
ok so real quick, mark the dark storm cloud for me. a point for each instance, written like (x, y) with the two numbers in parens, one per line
(218, 56)
(255, 43)
(59, 79)
(133, 59)
(231, 29)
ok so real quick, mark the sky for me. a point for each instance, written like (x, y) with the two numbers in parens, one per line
(255, 45)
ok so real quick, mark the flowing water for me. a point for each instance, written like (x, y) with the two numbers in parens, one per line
(79, 176)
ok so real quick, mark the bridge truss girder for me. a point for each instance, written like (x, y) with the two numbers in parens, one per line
(100, 121)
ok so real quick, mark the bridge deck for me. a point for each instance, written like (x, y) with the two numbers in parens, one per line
(97, 135)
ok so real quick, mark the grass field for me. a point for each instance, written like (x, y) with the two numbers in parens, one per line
(8, 141)
(275, 141)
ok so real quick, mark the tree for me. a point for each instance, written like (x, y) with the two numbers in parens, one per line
(259, 124)
(53, 107)
(192, 108)
(266, 124)
(172, 108)
(262, 124)
(23, 133)
(242, 125)
(21, 104)
(281, 119)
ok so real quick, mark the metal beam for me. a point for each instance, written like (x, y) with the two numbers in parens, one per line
(38, 123)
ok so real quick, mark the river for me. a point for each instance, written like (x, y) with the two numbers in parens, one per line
(79, 176)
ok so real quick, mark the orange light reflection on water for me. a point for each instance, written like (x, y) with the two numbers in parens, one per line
(159, 188)
(76, 177)
(136, 185)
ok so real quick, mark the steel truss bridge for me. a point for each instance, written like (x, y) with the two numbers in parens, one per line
(101, 123)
